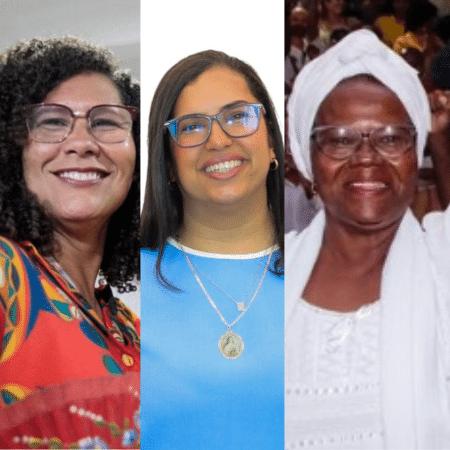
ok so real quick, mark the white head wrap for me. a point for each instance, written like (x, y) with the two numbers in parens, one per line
(358, 53)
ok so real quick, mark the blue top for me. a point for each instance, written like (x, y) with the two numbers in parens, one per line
(193, 397)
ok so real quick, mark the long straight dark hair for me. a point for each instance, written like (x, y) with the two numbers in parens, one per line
(162, 213)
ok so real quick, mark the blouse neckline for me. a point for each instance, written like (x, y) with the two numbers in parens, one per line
(236, 256)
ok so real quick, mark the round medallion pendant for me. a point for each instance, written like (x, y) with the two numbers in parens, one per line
(231, 345)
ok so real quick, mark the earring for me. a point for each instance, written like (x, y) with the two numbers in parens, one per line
(275, 162)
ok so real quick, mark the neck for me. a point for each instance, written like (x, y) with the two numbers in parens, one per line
(80, 255)
(228, 229)
(358, 247)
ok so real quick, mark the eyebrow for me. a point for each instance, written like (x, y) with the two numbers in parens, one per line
(222, 108)
(235, 103)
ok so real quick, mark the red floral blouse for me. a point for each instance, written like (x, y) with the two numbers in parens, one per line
(50, 335)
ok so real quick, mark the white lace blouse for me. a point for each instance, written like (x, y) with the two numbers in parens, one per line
(333, 379)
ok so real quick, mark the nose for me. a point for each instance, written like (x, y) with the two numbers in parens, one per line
(217, 138)
(365, 153)
(80, 140)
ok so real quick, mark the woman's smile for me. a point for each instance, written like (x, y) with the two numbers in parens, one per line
(223, 167)
(78, 177)
(367, 188)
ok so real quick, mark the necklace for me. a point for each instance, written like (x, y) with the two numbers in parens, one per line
(230, 344)
(240, 305)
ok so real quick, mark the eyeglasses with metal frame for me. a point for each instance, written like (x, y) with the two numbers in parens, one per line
(340, 142)
(52, 123)
(236, 121)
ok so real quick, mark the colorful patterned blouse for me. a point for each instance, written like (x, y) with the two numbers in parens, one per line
(49, 333)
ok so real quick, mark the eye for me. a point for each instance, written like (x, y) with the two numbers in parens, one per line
(190, 127)
(390, 140)
(239, 116)
(104, 123)
(51, 122)
(340, 140)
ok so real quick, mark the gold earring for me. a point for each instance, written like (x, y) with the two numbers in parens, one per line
(275, 167)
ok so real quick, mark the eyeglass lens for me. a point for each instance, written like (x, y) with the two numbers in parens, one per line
(341, 142)
(238, 121)
(53, 123)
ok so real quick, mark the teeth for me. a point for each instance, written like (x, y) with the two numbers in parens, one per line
(369, 184)
(80, 176)
(223, 166)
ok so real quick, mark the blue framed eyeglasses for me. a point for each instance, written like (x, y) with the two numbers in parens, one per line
(236, 121)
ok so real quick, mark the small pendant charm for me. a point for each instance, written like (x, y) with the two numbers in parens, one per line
(231, 345)
(240, 306)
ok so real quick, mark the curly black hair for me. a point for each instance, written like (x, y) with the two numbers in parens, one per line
(28, 72)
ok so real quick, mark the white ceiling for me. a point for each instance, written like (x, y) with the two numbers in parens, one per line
(112, 23)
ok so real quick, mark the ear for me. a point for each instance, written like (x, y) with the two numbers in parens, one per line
(272, 153)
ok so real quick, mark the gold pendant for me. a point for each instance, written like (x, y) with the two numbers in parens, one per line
(240, 306)
(231, 345)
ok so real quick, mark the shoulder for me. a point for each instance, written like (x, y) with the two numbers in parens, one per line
(172, 257)
(438, 223)
(15, 295)
(436, 226)
(9, 249)
(14, 263)
(149, 256)
(172, 266)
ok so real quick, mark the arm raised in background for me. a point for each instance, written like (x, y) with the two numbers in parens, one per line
(439, 142)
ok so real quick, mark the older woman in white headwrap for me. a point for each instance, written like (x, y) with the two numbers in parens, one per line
(367, 287)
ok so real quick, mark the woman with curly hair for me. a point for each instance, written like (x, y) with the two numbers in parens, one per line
(69, 210)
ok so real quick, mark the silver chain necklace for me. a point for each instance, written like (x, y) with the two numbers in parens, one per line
(230, 344)
(240, 305)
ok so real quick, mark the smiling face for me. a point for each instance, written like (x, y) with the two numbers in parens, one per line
(223, 170)
(80, 179)
(366, 190)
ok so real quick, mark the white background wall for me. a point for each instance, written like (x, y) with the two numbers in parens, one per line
(112, 23)
(252, 30)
